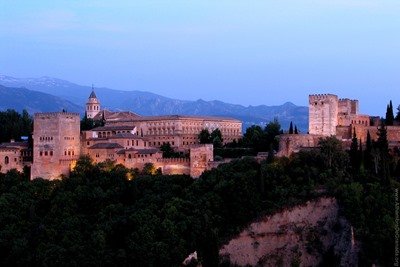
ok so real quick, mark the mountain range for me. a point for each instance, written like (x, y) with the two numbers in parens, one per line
(51, 94)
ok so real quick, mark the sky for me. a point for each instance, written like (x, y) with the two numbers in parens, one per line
(243, 52)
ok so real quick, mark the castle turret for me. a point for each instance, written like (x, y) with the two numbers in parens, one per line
(323, 114)
(92, 106)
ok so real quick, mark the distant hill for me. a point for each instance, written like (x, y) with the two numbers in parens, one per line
(33, 101)
(146, 103)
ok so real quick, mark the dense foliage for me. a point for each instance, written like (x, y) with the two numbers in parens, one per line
(109, 215)
(14, 125)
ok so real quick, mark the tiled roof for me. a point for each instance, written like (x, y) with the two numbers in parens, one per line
(114, 128)
(14, 145)
(143, 151)
(93, 95)
(106, 146)
(180, 117)
(125, 135)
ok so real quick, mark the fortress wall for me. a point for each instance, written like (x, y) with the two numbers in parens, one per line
(292, 143)
(323, 114)
(56, 144)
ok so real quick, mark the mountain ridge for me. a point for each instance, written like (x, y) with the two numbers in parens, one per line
(147, 103)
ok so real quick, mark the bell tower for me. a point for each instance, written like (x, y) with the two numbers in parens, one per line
(92, 105)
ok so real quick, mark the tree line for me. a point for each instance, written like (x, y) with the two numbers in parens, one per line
(15, 125)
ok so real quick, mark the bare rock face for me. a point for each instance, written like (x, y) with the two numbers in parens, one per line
(306, 235)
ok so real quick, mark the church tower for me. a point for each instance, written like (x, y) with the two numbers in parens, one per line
(92, 105)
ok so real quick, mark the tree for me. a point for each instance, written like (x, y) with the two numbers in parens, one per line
(291, 128)
(216, 134)
(382, 147)
(272, 130)
(253, 137)
(168, 151)
(149, 169)
(332, 153)
(389, 114)
(354, 155)
(296, 131)
(398, 114)
(204, 137)
(15, 125)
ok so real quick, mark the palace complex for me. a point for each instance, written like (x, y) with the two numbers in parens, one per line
(132, 140)
(126, 138)
(331, 116)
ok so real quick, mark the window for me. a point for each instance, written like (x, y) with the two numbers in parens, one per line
(6, 160)
(51, 153)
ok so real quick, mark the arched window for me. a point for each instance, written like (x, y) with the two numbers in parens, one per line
(6, 160)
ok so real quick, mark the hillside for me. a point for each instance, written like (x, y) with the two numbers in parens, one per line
(33, 101)
(146, 103)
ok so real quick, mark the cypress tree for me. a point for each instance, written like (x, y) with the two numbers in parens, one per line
(291, 128)
(382, 146)
(367, 152)
(389, 114)
(398, 114)
(354, 151)
(295, 130)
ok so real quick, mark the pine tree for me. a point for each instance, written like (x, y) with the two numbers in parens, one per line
(291, 128)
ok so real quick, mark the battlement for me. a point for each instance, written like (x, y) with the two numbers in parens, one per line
(173, 160)
(347, 99)
(55, 114)
(322, 97)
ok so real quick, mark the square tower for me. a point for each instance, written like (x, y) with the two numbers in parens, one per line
(56, 144)
(323, 114)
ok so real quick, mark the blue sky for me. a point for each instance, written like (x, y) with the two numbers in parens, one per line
(245, 52)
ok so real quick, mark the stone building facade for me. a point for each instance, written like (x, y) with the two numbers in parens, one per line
(56, 144)
(331, 116)
(14, 155)
(126, 138)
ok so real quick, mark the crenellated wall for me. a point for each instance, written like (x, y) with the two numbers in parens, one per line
(56, 144)
(323, 114)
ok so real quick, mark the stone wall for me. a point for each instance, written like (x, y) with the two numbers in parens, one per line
(56, 144)
(10, 158)
(181, 131)
(323, 114)
(293, 143)
(200, 157)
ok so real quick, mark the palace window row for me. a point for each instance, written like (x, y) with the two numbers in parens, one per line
(69, 153)
(46, 153)
(46, 138)
(93, 108)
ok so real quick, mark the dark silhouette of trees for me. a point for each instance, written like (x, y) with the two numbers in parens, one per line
(389, 114)
(205, 137)
(291, 128)
(15, 125)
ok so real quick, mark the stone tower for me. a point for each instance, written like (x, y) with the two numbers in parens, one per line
(56, 144)
(323, 114)
(92, 105)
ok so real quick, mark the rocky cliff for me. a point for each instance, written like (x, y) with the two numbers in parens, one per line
(308, 235)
